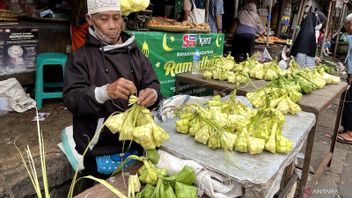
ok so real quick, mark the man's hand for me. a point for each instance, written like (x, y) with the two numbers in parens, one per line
(147, 97)
(317, 60)
(349, 78)
(121, 88)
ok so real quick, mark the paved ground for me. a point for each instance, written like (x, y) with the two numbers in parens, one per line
(335, 182)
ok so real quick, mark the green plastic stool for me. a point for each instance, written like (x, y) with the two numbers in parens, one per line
(47, 59)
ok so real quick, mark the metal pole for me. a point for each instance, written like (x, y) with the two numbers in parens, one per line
(331, 5)
(269, 23)
(340, 25)
(236, 8)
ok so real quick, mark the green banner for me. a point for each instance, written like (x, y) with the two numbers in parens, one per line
(172, 53)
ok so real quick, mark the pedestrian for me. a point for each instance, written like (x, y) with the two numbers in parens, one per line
(216, 10)
(305, 45)
(194, 11)
(244, 37)
(99, 78)
(345, 135)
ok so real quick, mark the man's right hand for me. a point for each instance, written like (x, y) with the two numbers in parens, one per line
(121, 88)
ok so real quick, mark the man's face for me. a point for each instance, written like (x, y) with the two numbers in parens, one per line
(109, 23)
(348, 27)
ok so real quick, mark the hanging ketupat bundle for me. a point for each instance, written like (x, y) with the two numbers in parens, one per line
(128, 6)
(138, 125)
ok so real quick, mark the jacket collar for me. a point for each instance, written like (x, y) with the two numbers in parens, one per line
(128, 41)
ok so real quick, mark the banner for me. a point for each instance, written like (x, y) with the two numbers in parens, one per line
(172, 53)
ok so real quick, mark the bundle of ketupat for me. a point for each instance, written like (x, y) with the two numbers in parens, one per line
(179, 185)
(232, 126)
(225, 68)
(157, 183)
(137, 124)
(266, 71)
(149, 173)
(128, 6)
(285, 91)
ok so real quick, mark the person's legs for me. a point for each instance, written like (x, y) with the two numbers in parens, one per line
(236, 49)
(346, 120)
(251, 40)
(242, 45)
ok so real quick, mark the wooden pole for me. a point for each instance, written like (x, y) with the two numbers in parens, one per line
(331, 6)
(342, 15)
(206, 18)
(299, 19)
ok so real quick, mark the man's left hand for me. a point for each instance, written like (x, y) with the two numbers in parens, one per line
(147, 97)
(317, 60)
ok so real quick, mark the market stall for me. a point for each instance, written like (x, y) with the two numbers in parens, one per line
(316, 103)
(259, 175)
(254, 175)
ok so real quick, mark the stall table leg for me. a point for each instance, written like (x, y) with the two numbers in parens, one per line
(307, 157)
(337, 123)
(288, 180)
(326, 162)
(177, 87)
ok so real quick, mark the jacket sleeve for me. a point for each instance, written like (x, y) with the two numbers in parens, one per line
(78, 92)
(149, 78)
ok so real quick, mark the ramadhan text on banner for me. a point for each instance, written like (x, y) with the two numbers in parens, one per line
(172, 53)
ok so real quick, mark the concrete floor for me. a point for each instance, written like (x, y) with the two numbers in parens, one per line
(335, 182)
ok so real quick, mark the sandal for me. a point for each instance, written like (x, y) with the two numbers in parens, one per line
(329, 135)
(342, 139)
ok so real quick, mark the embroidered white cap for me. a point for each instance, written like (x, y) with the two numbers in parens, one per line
(95, 6)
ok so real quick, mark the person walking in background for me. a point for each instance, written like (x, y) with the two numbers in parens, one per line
(305, 45)
(244, 36)
(216, 10)
(345, 136)
(196, 6)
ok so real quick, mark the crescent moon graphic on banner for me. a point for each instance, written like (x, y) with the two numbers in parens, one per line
(166, 48)
(217, 43)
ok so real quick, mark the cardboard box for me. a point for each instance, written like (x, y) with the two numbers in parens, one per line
(20, 49)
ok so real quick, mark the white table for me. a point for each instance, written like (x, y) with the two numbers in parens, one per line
(257, 174)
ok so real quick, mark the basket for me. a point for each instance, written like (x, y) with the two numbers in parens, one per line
(199, 30)
(169, 28)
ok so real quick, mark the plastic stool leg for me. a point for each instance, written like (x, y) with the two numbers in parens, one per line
(39, 86)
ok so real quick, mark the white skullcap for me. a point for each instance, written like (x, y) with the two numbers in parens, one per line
(95, 6)
(348, 18)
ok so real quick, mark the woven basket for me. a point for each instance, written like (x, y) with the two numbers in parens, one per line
(7, 19)
(169, 28)
(199, 30)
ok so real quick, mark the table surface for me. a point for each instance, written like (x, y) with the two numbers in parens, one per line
(248, 170)
(314, 102)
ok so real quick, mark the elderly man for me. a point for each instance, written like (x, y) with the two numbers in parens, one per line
(346, 122)
(100, 77)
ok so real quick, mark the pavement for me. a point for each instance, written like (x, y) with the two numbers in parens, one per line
(336, 181)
